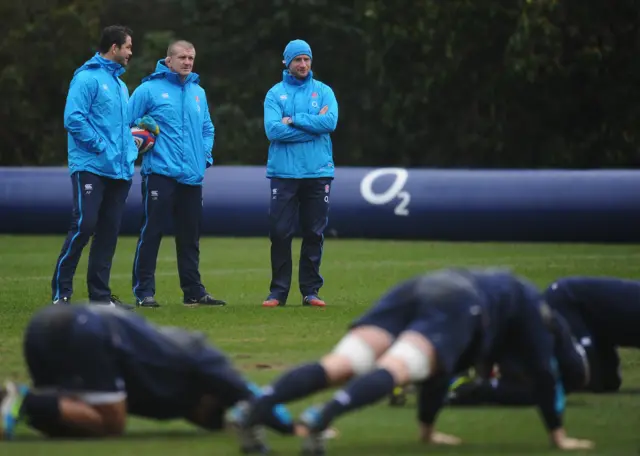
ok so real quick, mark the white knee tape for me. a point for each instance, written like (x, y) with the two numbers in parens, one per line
(416, 360)
(361, 355)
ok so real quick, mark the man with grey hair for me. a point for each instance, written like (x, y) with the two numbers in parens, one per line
(171, 103)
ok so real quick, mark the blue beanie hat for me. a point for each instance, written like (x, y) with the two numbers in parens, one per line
(294, 49)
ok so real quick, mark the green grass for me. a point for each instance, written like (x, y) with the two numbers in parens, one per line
(263, 342)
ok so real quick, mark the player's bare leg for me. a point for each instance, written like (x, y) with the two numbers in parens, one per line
(355, 354)
(410, 359)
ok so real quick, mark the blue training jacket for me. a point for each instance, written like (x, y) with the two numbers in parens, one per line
(302, 149)
(183, 147)
(97, 122)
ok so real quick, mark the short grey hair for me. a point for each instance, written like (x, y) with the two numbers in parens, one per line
(178, 43)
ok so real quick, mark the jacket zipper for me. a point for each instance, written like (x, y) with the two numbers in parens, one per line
(183, 148)
(124, 156)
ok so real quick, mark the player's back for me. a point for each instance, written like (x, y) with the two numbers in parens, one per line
(506, 298)
(159, 365)
(609, 306)
(518, 323)
(500, 293)
(504, 292)
(490, 298)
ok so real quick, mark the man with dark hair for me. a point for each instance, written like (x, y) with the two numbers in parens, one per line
(300, 113)
(171, 102)
(114, 35)
(91, 366)
(101, 157)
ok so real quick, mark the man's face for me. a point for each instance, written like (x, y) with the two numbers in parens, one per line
(122, 54)
(300, 66)
(181, 61)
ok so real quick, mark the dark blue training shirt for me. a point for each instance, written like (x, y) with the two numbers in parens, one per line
(105, 354)
(573, 362)
(609, 307)
(514, 320)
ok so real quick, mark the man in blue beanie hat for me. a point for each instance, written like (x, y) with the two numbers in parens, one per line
(300, 113)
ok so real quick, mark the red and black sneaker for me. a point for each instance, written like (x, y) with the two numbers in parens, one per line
(272, 302)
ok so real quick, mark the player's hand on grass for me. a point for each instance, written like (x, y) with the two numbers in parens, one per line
(428, 435)
(439, 438)
(569, 443)
(560, 440)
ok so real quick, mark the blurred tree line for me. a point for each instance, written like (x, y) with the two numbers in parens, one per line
(464, 83)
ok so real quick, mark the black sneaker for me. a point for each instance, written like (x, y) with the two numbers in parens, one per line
(313, 443)
(205, 300)
(59, 301)
(252, 438)
(148, 301)
(114, 301)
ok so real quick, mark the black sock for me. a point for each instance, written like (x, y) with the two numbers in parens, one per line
(360, 392)
(42, 412)
(295, 384)
(43, 406)
(279, 420)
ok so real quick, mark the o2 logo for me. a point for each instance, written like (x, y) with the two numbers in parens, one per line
(395, 191)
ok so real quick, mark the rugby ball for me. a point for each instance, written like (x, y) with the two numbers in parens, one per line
(144, 139)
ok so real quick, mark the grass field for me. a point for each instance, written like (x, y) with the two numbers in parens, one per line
(263, 342)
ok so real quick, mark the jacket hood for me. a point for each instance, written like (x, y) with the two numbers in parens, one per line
(292, 80)
(163, 71)
(98, 61)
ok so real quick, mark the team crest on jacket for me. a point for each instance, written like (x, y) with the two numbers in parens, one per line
(326, 188)
(197, 99)
(314, 95)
